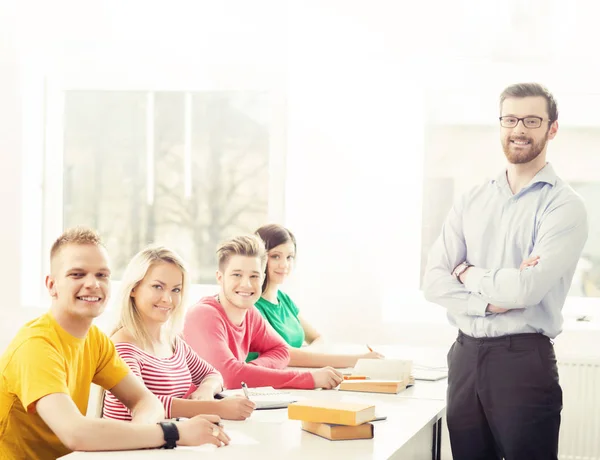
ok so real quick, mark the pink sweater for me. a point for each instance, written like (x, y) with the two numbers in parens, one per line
(224, 345)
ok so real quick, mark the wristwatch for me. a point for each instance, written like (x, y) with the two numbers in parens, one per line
(460, 269)
(171, 434)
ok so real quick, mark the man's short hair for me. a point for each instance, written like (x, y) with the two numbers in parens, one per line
(244, 245)
(75, 235)
(531, 90)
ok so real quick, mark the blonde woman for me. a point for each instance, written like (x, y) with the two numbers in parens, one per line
(151, 313)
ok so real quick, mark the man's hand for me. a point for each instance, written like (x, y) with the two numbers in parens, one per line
(531, 262)
(494, 309)
(463, 275)
(202, 429)
(327, 378)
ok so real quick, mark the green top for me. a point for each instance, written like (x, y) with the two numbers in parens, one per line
(283, 316)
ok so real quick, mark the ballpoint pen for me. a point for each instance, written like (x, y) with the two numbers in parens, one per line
(245, 388)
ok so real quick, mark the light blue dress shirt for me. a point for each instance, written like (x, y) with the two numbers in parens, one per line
(495, 230)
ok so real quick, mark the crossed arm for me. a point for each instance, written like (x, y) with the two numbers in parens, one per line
(530, 262)
(561, 235)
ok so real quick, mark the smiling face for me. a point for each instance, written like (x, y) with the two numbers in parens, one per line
(241, 281)
(80, 280)
(280, 262)
(523, 145)
(158, 295)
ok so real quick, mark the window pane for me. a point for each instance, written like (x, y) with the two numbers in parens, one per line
(587, 280)
(107, 174)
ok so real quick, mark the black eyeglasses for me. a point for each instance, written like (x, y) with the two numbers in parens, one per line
(528, 122)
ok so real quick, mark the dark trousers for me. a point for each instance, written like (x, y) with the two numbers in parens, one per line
(504, 399)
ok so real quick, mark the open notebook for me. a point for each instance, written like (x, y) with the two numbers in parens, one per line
(430, 374)
(264, 397)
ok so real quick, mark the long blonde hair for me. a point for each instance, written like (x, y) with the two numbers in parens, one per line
(129, 315)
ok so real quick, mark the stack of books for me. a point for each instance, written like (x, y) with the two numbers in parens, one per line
(334, 420)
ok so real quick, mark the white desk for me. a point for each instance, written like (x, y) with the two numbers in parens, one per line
(407, 434)
(411, 432)
(423, 389)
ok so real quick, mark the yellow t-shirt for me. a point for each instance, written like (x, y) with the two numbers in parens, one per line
(44, 359)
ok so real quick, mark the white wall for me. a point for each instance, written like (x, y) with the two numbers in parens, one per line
(10, 172)
(354, 167)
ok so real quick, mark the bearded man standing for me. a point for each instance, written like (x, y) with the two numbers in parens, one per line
(502, 267)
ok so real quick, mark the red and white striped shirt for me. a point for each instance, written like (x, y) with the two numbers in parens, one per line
(167, 378)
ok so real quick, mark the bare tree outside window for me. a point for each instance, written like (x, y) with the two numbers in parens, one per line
(184, 170)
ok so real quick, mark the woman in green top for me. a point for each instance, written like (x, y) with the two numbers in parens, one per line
(282, 313)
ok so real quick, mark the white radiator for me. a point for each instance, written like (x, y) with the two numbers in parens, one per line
(580, 424)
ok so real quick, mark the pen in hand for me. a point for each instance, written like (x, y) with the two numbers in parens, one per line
(245, 388)
(378, 355)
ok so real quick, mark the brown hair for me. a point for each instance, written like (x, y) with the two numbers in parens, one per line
(75, 235)
(532, 90)
(273, 235)
(244, 245)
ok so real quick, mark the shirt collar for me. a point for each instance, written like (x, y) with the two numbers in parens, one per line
(546, 175)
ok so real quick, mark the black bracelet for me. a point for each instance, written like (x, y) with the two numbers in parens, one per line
(171, 434)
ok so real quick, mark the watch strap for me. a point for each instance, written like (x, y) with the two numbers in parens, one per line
(171, 434)
(461, 269)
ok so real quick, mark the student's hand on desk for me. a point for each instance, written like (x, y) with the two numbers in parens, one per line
(327, 378)
(372, 355)
(235, 408)
(202, 429)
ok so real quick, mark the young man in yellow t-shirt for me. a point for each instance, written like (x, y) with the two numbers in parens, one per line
(46, 372)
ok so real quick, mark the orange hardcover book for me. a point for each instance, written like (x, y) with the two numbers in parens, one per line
(373, 386)
(334, 412)
(339, 432)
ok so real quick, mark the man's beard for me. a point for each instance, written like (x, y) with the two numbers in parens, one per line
(517, 158)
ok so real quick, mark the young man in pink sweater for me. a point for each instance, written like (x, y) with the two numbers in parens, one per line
(222, 329)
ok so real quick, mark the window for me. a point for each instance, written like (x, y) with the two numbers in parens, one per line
(184, 169)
